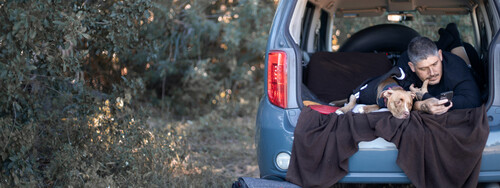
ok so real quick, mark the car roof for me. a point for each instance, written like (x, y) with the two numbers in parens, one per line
(379, 7)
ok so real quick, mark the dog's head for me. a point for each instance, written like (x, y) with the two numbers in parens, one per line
(399, 102)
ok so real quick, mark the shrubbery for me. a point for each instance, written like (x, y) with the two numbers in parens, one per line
(213, 50)
(79, 79)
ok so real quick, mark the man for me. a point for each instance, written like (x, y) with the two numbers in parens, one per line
(430, 71)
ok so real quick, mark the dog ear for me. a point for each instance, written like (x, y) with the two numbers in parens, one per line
(387, 93)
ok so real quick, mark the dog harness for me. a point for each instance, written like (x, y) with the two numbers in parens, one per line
(366, 93)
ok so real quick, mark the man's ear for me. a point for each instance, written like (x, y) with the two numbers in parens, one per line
(440, 54)
(412, 67)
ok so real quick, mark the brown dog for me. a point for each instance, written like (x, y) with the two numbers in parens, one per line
(398, 101)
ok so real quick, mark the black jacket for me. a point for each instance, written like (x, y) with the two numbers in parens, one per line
(456, 77)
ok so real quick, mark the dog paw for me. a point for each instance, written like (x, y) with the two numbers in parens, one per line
(362, 110)
(339, 112)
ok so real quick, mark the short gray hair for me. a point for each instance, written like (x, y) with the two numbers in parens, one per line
(421, 48)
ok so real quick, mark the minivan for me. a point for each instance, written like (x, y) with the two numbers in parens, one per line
(302, 28)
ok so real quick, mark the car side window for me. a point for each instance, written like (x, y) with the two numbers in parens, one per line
(320, 40)
(306, 24)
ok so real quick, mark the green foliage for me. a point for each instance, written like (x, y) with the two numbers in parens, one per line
(77, 77)
(67, 111)
(209, 54)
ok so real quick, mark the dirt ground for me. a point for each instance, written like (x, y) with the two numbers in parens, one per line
(217, 150)
(227, 147)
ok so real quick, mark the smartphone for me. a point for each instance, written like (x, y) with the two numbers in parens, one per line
(447, 95)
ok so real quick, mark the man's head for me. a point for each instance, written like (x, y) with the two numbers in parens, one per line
(425, 60)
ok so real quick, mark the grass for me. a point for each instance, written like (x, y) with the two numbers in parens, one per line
(218, 150)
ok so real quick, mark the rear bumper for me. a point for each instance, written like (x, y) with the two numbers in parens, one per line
(375, 162)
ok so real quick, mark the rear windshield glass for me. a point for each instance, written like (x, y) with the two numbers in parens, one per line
(426, 25)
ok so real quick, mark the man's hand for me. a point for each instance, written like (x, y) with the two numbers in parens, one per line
(433, 106)
(420, 92)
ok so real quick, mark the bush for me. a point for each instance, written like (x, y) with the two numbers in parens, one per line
(68, 111)
(209, 54)
(76, 79)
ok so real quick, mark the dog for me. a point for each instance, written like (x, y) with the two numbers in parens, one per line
(389, 94)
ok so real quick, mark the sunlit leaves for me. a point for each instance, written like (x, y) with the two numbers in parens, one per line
(55, 79)
(72, 72)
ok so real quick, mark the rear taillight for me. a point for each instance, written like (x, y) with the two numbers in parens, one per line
(277, 84)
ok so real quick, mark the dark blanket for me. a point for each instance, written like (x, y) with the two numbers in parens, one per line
(434, 150)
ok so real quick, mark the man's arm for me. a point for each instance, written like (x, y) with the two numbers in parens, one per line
(466, 95)
(428, 104)
(465, 90)
(432, 106)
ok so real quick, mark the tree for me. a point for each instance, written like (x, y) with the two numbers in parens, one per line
(209, 53)
(66, 110)
(73, 77)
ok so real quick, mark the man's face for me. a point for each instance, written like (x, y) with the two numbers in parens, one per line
(430, 68)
